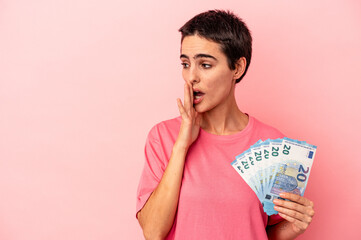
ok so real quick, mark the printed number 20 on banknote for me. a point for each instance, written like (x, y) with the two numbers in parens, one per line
(292, 172)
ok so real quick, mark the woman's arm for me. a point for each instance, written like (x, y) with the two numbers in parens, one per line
(157, 216)
(297, 213)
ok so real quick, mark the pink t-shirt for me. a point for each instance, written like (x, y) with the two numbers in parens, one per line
(214, 201)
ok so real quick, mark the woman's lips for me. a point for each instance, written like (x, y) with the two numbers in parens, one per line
(197, 95)
(198, 98)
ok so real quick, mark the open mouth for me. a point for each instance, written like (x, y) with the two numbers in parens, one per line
(198, 94)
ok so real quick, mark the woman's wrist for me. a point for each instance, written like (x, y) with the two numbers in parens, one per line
(180, 147)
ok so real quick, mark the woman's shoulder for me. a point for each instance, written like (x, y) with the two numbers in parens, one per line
(166, 128)
(265, 128)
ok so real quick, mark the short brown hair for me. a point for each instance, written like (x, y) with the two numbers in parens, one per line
(225, 28)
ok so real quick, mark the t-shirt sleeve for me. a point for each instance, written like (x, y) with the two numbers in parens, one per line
(153, 169)
(274, 219)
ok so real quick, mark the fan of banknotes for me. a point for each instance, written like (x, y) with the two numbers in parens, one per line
(274, 166)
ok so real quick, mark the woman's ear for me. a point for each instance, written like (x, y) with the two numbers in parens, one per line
(240, 67)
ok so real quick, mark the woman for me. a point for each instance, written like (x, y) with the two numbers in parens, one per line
(188, 189)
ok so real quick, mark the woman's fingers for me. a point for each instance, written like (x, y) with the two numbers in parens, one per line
(191, 94)
(187, 97)
(290, 205)
(299, 211)
(299, 203)
(188, 100)
(294, 214)
(180, 107)
(300, 225)
(297, 198)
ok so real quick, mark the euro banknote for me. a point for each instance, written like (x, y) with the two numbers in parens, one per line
(274, 166)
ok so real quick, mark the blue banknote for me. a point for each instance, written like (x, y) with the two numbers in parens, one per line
(274, 166)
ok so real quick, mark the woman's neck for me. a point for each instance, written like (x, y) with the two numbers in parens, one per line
(224, 120)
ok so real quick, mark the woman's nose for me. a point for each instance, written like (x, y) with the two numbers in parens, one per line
(193, 75)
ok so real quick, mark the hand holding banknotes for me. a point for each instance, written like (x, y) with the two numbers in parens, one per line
(298, 211)
(277, 170)
(191, 119)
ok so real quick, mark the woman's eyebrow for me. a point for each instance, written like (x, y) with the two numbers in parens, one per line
(199, 55)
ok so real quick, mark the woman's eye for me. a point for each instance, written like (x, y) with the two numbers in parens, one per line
(185, 65)
(205, 65)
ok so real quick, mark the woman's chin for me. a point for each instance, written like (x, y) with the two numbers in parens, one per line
(199, 108)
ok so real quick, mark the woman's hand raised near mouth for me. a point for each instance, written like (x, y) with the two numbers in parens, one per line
(191, 119)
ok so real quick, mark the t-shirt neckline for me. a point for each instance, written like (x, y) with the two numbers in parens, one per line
(231, 136)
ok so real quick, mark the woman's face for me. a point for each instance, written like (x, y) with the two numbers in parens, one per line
(205, 67)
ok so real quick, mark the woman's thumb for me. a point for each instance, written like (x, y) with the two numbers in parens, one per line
(199, 117)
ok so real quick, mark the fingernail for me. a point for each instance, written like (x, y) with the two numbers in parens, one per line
(276, 201)
(282, 194)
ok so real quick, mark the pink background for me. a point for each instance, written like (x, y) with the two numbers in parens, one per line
(83, 81)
